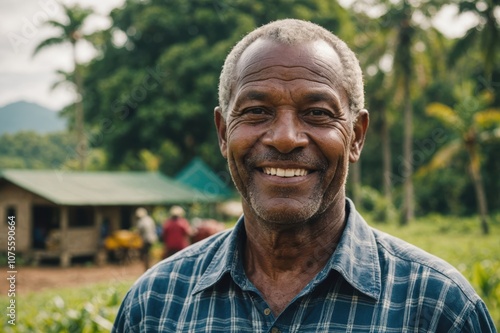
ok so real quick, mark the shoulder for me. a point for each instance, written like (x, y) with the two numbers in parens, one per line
(193, 260)
(185, 266)
(168, 283)
(422, 278)
(410, 259)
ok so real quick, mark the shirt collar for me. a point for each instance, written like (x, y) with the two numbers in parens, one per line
(355, 258)
(226, 259)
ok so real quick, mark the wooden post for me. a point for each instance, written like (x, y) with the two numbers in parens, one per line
(65, 258)
(100, 254)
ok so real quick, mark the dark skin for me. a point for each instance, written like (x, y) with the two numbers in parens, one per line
(288, 138)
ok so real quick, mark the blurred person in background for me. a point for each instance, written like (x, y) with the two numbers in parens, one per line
(176, 232)
(147, 230)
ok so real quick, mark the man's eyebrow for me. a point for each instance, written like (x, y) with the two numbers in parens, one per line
(256, 95)
(313, 97)
(319, 97)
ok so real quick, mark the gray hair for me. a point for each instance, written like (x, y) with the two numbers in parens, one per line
(293, 32)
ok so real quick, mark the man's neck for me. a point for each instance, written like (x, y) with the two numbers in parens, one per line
(281, 261)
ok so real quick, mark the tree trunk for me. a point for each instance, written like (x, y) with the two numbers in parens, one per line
(408, 204)
(404, 58)
(386, 162)
(356, 183)
(81, 148)
(475, 172)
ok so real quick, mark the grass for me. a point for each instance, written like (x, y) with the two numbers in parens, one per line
(456, 240)
(92, 309)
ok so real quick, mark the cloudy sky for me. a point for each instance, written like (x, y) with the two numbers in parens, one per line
(24, 77)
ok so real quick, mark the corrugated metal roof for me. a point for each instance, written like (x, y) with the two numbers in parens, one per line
(104, 188)
(199, 176)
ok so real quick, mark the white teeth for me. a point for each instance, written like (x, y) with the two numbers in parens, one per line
(285, 172)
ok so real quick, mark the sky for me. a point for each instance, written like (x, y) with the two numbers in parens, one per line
(27, 77)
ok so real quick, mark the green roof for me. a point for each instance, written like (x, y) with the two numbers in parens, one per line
(104, 188)
(198, 175)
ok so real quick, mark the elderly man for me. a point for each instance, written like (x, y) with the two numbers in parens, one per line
(300, 259)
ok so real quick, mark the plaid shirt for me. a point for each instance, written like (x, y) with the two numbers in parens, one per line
(372, 283)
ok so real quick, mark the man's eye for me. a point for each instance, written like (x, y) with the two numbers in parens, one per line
(255, 111)
(317, 112)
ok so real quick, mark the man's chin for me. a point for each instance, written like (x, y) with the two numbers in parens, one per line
(281, 215)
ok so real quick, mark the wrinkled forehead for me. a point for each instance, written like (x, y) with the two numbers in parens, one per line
(313, 58)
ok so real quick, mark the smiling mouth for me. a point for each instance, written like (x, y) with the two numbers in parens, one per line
(285, 173)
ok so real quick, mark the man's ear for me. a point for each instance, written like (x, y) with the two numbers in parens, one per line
(220, 124)
(360, 127)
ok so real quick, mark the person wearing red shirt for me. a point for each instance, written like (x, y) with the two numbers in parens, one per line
(176, 232)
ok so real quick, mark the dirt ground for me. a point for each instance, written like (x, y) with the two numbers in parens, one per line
(32, 279)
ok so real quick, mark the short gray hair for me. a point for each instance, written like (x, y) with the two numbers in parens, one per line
(293, 32)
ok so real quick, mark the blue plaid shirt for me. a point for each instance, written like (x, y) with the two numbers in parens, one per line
(372, 283)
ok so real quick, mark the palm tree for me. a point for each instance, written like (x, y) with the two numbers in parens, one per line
(484, 35)
(395, 36)
(475, 124)
(403, 62)
(65, 78)
(70, 32)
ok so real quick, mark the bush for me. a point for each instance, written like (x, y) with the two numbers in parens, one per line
(375, 206)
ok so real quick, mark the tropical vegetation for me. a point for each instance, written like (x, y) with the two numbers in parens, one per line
(149, 93)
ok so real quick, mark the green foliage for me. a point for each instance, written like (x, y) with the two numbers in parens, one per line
(149, 100)
(484, 36)
(161, 85)
(485, 278)
(29, 150)
(84, 310)
(376, 206)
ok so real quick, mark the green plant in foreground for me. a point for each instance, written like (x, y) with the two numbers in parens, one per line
(485, 278)
(69, 312)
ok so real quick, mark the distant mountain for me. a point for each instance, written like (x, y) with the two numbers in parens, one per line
(25, 116)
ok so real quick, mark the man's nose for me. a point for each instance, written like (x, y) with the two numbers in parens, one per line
(286, 133)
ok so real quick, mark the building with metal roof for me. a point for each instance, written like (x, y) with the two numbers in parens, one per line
(63, 214)
(197, 174)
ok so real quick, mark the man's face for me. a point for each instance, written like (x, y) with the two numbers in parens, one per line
(289, 135)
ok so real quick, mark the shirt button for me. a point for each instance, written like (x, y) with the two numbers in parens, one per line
(275, 330)
(267, 311)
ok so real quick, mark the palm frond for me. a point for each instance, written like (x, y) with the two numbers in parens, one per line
(462, 46)
(48, 42)
(487, 118)
(441, 158)
(55, 24)
(445, 115)
(64, 78)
